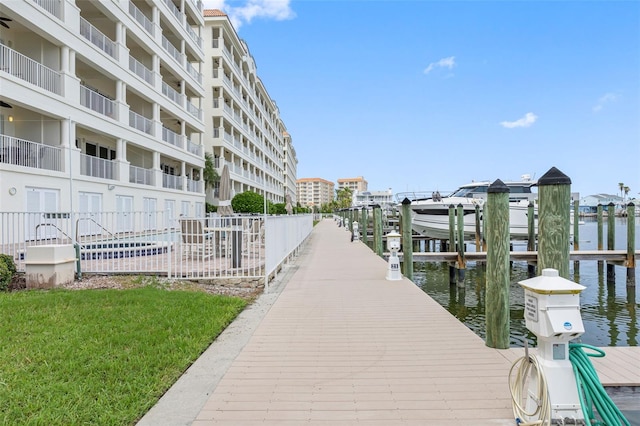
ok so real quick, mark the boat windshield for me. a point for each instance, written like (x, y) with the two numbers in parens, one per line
(472, 191)
(468, 192)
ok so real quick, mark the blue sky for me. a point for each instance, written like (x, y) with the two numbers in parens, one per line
(425, 95)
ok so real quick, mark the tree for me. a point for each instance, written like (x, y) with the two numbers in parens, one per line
(343, 198)
(626, 192)
(210, 176)
(621, 186)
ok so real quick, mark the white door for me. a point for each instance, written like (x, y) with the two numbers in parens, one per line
(150, 207)
(170, 212)
(42, 203)
(184, 209)
(124, 212)
(90, 207)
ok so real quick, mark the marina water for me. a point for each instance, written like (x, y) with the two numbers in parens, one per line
(609, 310)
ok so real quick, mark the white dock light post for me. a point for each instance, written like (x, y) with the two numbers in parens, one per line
(393, 244)
(356, 232)
(552, 313)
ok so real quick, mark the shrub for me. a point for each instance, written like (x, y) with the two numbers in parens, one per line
(248, 202)
(8, 260)
(5, 276)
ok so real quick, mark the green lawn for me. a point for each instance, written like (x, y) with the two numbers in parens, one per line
(100, 356)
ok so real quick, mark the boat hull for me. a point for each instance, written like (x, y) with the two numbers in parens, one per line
(431, 219)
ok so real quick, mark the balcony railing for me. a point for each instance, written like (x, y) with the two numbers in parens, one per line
(97, 102)
(141, 18)
(140, 175)
(195, 37)
(172, 137)
(195, 111)
(96, 37)
(172, 94)
(30, 154)
(194, 185)
(172, 7)
(140, 70)
(194, 148)
(171, 181)
(171, 49)
(194, 73)
(139, 122)
(52, 6)
(96, 167)
(27, 69)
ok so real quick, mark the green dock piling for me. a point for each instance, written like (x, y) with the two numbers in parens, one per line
(554, 195)
(407, 240)
(497, 285)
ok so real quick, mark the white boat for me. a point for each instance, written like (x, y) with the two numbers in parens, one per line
(430, 214)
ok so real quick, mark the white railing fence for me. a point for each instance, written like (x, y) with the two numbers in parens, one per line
(160, 243)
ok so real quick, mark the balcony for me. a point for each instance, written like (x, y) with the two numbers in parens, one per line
(194, 148)
(141, 18)
(95, 101)
(194, 110)
(194, 185)
(172, 137)
(140, 70)
(140, 175)
(171, 181)
(96, 167)
(54, 7)
(172, 94)
(27, 69)
(97, 38)
(140, 122)
(171, 50)
(25, 153)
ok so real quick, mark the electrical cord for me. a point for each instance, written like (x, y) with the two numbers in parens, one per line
(590, 390)
(519, 387)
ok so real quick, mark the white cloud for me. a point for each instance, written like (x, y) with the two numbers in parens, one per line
(449, 62)
(526, 121)
(278, 10)
(605, 99)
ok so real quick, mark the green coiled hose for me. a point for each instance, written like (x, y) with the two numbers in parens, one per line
(590, 390)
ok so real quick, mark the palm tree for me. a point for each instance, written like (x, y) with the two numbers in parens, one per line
(626, 192)
(621, 186)
(210, 176)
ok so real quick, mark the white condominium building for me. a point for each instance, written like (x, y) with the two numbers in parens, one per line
(101, 106)
(243, 126)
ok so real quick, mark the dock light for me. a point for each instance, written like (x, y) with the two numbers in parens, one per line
(552, 313)
(393, 244)
(355, 236)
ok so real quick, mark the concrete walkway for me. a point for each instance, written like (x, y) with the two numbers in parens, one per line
(341, 345)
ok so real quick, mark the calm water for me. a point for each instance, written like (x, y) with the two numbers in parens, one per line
(609, 309)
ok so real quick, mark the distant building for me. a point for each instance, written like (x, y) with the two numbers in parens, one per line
(354, 184)
(368, 198)
(589, 204)
(314, 192)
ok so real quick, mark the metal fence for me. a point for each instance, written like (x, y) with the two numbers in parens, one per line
(158, 243)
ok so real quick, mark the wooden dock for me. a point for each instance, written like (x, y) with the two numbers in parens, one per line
(342, 345)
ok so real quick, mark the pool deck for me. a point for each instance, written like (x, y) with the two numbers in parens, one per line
(341, 345)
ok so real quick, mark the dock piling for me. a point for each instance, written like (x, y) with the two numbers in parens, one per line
(497, 284)
(611, 238)
(407, 239)
(377, 230)
(531, 237)
(461, 261)
(631, 245)
(554, 195)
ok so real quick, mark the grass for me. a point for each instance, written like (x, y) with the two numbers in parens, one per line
(100, 356)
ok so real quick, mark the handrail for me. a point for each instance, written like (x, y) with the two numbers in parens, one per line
(94, 221)
(55, 226)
